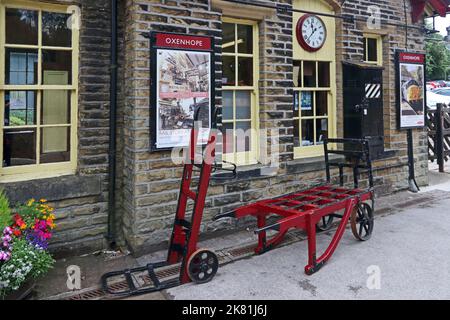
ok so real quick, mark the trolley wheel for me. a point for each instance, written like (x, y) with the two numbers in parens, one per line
(362, 221)
(325, 223)
(202, 266)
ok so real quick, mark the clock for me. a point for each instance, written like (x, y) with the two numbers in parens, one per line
(311, 32)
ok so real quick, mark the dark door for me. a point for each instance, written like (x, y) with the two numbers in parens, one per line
(363, 105)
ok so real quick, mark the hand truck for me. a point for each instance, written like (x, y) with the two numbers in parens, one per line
(315, 209)
(197, 265)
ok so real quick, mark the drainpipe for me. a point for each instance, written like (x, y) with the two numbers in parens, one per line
(111, 236)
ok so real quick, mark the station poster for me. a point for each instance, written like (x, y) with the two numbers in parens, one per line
(411, 90)
(182, 88)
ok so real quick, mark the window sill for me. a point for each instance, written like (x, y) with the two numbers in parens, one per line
(54, 188)
(310, 164)
(10, 178)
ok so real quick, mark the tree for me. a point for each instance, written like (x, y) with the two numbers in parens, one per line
(438, 58)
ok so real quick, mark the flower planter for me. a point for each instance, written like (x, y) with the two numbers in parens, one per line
(23, 292)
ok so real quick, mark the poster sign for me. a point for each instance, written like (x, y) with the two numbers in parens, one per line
(182, 87)
(411, 90)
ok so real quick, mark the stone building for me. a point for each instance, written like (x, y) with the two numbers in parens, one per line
(75, 97)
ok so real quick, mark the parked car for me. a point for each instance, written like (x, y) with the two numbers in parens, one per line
(433, 99)
(433, 85)
(442, 91)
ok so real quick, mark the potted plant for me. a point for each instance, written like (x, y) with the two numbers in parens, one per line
(24, 236)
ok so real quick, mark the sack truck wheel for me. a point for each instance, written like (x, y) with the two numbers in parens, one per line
(202, 266)
(362, 221)
(325, 223)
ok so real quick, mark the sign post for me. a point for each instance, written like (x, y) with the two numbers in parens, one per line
(411, 102)
(182, 85)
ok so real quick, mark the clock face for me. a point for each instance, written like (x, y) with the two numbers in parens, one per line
(311, 33)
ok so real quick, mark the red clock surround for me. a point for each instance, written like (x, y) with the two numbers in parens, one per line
(300, 39)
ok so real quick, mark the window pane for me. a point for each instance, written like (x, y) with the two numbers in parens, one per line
(245, 39)
(324, 74)
(296, 133)
(307, 104)
(309, 74)
(228, 37)
(21, 26)
(243, 105)
(55, 32)
(56, 67)
(20, 108)
(321, 103)
(372, 54)
(307, 133)
(321, 130)
(55, 107)
(55, 145)
(243, 136)
(245, 71)
(229, 71)
(296, 104)
(19, 147)
(21, 66)
(227, 108)
(227, 137)
(297, 74)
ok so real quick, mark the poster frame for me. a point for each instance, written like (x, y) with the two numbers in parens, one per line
(154, 83)
(398, 88)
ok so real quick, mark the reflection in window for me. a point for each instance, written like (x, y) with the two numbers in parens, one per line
(55, 107)
(228, 71)
(20, 108)
(56, 67)
(55, 145)
(245, 39)
(243, 105)
(228, 36)
(307, 133)
(227, 105)
(21, 26)
(21, 66)
(19, 147)
(55, 31)
(321, 130)
(245, 72)
(309, 73)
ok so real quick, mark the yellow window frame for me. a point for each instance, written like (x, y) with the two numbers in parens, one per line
(316, 150)
(38, 170)
(379, 40)
(250, 157)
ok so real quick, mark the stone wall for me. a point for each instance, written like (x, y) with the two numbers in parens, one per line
(151, 182)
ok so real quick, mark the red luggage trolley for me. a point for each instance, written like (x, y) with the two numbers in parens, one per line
(197, 265)
(315, 209)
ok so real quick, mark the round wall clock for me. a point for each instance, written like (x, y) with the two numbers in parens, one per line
(311, 32)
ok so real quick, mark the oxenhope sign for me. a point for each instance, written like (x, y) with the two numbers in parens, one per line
(182, 88)
(411, 95)
(180, 41)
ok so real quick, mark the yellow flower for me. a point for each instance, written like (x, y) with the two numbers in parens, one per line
(30, 202)
(43, 200)
(23, 227)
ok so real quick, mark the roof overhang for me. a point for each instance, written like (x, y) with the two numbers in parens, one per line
(430, 8)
